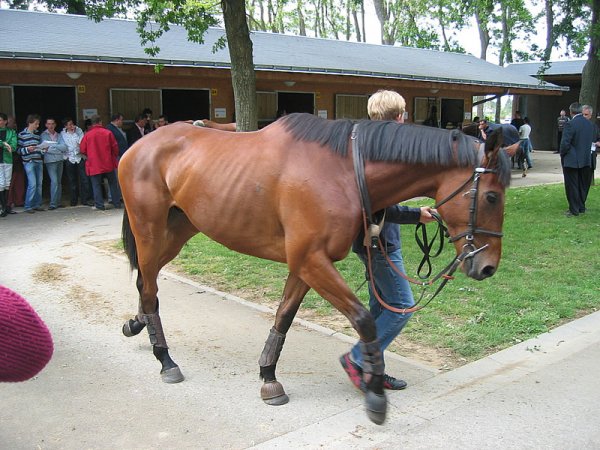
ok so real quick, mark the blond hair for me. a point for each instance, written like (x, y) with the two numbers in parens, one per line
(385, 105)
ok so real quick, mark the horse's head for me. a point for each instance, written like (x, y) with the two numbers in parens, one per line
(471, 202)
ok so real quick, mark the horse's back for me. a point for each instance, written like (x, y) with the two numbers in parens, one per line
(245, 190)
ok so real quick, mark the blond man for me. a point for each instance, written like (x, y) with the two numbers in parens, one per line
(393, 288)
(386, 105)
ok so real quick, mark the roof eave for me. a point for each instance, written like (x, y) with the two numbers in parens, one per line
(272, 68)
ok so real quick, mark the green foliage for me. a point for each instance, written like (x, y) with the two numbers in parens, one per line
(548, 275)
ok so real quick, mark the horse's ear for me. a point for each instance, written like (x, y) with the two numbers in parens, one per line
(493, 142)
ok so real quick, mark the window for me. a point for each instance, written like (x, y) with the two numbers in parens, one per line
(351, 106)
(131, 102)
(6, 100)
(266, 105)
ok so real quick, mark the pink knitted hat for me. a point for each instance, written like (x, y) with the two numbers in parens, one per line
(25, 341)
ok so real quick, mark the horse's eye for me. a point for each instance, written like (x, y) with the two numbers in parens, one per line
(491, 197)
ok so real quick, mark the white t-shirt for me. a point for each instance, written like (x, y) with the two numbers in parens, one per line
(524, 131)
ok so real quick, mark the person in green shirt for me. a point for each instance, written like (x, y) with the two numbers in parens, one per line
(8, 144)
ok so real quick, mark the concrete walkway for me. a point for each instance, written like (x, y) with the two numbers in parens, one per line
(102, 390)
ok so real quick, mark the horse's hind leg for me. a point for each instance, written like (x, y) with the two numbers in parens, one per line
(153, 253)
(272, 391)
(134, 326)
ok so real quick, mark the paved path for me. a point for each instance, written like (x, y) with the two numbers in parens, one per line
(102, 390)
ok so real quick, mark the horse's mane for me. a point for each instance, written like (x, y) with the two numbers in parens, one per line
(391, 141)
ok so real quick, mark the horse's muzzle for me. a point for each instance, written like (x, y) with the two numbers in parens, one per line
(475, 271)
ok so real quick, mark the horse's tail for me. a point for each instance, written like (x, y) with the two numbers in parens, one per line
(129, 241)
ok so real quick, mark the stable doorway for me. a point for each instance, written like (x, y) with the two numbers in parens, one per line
(47, 101)
(292, 102)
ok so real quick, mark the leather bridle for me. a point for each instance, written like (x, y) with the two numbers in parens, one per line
(472, 228)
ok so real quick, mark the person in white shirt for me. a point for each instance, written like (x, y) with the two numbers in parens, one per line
(525, 143)
(79, 183)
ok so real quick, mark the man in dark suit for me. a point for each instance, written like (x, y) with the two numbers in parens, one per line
(137, 130)
(576, 159)
(115, 126)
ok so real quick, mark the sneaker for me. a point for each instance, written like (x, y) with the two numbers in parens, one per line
(51, 208)
(353, 371)
(29, 211)
(393, 384)
(39, 208)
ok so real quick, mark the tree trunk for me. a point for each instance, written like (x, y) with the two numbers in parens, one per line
(507, 26)
(242, 64)
(484, 35)
(590, 78)
(498, 109)
(359, 35)
(549, 30)
(440, 16)
(301, 22)
(347, 23)
(362, 18)
(383, 16)
(270, 16)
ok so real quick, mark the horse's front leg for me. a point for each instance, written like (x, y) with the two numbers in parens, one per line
(170, 372)
(320, 273)
(272, 391)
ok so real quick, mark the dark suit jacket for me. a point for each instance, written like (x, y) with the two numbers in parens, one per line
(120, 137)
(576, 143)
(133, 134)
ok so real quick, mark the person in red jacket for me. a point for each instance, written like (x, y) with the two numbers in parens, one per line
(101, 150)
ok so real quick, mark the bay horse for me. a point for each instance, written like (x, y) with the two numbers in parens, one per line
(289, 193)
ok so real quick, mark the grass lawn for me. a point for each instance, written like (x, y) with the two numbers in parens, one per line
(549, 274)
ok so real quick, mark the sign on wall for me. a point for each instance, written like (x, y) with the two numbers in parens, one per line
(89, 112)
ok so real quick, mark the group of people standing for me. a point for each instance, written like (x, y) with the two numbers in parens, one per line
(27, 152)
(87, 158)
(522, 131)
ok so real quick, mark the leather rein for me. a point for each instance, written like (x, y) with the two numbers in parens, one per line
(372, 230)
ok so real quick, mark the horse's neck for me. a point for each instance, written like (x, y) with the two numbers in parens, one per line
(389, 184)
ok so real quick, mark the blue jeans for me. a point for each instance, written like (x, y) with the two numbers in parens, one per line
(113, 185)
(35, 175)
(55, 172)
(79, 183)
(395, 291)
(526, 148)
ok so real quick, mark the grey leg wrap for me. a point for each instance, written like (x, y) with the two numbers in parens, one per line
(372, 357)
(273, 346)
(155, 329)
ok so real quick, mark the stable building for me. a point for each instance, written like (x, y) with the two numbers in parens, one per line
(543, 111)
(65, 65)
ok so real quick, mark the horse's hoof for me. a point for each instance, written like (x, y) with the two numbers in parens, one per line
(376, 406)
(273, 394)
(127, 329)
(172, 375)
(132, 328)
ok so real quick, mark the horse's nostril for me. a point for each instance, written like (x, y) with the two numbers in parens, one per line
(488, 271)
